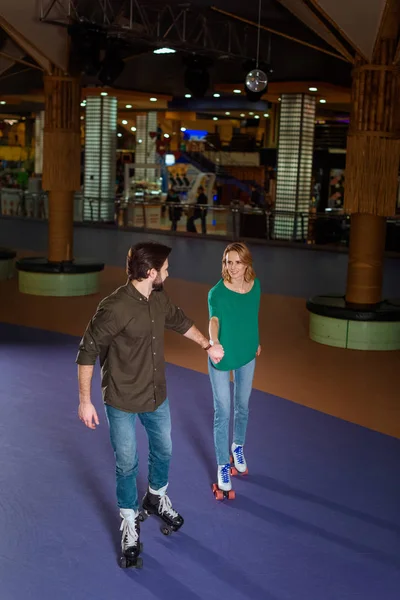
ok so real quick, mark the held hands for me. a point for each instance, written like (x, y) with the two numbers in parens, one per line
(216, 353)
(88, 415)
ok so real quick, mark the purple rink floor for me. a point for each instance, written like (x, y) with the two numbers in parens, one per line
(317, 518)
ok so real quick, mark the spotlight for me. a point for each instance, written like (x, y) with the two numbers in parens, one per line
(164, 51)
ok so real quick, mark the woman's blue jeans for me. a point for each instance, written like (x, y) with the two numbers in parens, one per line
(220, 383)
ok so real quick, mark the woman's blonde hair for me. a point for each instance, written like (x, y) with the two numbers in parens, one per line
(245, 257)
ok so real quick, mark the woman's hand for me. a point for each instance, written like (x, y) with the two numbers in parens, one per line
(216, 353)
(258, 351)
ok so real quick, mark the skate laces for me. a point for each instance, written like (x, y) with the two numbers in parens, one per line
(239, 454)
(165, 507)
(225, 472)
(130, 534)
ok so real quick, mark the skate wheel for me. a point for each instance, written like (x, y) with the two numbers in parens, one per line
(234, 471)
(139, 563)
(214, 487)
(219, 495)
(143, 516)
(123, 563)
(165, 530)
(231, 495)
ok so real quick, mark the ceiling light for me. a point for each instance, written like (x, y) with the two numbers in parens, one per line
(82, 118)
(119, 134)
(82, 103)
(242, 115)
(140, 141)
(323, 101)
(257, 117)
(133, 128)
(313, 89)
(188, 95)
(183, 128)
(266, 115)
(251, 114)
(103, 94)
(124, 122)
(280, 99)
(2, 102)
(153, 99)
(166, 135)
(237, 91)
(164, 51)
(216, 95)
(227, 114)
(215, 118)
(128, 106)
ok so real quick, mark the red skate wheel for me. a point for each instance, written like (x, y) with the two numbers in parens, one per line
(231, 495)
(214, 487)
(246, 472)
(231, 460)
(234, 471)
(219, 495)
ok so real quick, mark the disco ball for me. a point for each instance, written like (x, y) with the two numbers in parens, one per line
(256, 81)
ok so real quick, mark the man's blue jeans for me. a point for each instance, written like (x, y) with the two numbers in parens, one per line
(220, 383)
(123, 440)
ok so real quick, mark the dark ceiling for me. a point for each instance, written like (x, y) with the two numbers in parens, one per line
(145, 71)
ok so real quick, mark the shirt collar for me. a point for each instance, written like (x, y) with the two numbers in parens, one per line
(132, 291)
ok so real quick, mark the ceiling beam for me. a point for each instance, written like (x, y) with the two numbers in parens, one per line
(280, 34)
(26, 45)
(21, 61)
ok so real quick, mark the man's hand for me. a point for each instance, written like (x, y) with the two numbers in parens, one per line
(216, 353)
(258, 351)
(88, 415)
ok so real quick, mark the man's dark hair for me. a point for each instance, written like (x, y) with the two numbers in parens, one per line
(143, 257)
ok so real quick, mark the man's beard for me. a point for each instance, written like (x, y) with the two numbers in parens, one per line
(158, 284)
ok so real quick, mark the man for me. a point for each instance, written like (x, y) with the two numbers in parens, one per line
(127, 334)
(199, 213)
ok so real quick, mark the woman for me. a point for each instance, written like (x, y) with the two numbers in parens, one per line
(233, 308)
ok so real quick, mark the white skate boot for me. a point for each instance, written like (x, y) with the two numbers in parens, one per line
(239, 460)
(130, 541)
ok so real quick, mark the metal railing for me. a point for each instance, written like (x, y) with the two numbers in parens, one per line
(235, 221)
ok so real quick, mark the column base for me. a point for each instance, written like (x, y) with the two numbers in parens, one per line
(39, 277)
(335, 323)
(7, 267)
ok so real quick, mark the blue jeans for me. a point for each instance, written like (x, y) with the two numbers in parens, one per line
(220, 383)
(123, 440)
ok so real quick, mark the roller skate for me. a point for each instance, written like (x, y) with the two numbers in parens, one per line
(238, 461)
(160, 505)
(130, 542)
(223, 489)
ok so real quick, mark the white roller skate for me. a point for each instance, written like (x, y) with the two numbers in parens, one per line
(239, 461)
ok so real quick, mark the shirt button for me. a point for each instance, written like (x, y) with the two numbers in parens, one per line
(152, 320)
(154, 337)
(154, 353)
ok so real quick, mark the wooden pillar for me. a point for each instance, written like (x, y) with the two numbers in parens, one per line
(372, 164)
(61, 160)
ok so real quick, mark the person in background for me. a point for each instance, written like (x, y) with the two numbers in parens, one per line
(234, 304)
(175, 212)
(199, 213)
